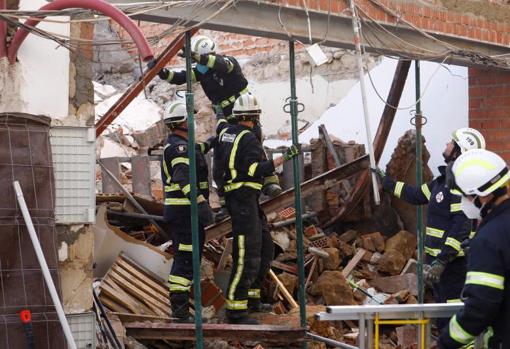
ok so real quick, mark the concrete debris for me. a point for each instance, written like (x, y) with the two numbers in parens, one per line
(393, 284)
(335, 289)
(391, 262)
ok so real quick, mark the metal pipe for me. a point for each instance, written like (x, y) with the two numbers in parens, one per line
(136, 215)
(290, 221)
(44, 266)
(132, 199)
(361, 71)
(330, 342)
(297, 189)
(324, 134)
(102, 314)
(419, 181)
(97, 5)
(193, 197)
(3, 32)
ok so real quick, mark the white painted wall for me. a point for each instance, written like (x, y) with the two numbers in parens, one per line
(444, 103)
(39, 83)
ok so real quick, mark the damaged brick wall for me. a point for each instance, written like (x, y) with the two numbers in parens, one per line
(489, 108)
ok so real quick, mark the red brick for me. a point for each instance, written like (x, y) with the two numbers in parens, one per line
(491, 124)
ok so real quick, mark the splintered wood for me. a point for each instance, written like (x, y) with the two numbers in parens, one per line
(130, 289)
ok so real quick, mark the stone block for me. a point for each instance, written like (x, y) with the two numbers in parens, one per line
(335, 289)
(404, 242)
(391, 262)
(333, 262)
(394, 284)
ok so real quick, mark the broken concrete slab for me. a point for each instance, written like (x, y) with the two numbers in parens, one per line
(109, 242)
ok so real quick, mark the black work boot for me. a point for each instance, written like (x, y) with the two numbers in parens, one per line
(180, 307)
(236, 317)
(256, 306)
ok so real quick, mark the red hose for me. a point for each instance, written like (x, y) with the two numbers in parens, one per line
(3, 32)
(97, 5)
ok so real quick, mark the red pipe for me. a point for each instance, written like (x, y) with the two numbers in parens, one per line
(3, 32)
(97, 5)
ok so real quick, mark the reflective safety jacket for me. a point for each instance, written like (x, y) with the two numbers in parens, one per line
(447, 226)
(242, 157)
(486, 293)
(222, 83)
(175, 176)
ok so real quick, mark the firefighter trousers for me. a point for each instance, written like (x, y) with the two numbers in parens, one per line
(266, 257)
(181, 273)
(244, 209)
(449, 287)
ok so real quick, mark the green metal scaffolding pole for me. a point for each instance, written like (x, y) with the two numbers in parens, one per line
(297, 189)
(419, 181)
(193, 198)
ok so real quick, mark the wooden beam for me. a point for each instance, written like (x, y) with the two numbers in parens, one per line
(353, 262)
(174, 331)
(286, 198)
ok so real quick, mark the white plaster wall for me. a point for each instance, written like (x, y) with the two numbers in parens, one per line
(39, 84)
(445, 104)
(316, 99)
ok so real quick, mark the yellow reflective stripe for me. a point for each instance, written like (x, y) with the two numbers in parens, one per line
(185, 248)
(193, 76)
(172, 187)
(454, 243)
(170, 75)
(174, 279)
(231, 162)
(472, 234)
(234, 186)
(398, 189)
(437, 233)
(252, 169)
(455, 192)
(202, 147)
(485, 279)
(240, 267)
(165, 167)
(458, 333)
(498, 184)
(426, 191)
(203, 185)
(455, 300)
(232, 99)
(219, 122)
(230, 66)
(177, 201)
(179, 160)
(455, 208)
(236, 305)
(474, 162)
(186, 189)
(434, 252)
(178, 288)
(210, 61)
(254, 293)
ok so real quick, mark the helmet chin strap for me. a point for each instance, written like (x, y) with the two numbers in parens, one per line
(485, 209)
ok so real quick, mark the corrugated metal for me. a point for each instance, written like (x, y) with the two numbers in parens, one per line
(73, 151)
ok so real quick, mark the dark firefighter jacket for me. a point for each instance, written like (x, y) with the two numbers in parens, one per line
(242, 157)
(175, 176)
(486, 293)
(447, 226)
(222, 83)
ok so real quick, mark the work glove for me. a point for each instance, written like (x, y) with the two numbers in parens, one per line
(271, 186)
(163, 73)
(433, 274)
(205, 214)
(291, 152)
(194, 55)
(379, 173)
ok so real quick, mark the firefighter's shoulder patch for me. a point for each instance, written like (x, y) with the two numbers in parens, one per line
(181, 148)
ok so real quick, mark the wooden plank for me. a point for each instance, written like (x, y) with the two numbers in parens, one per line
(119, 297)
(138, 294)
(142, 285)
(174, 331)
(353, 262)
(141, 269)
(290, 268)
(156, 286)
(283, 290)
(127, 317)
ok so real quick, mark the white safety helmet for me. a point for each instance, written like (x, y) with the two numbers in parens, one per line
(468, 138)
(175, 114)
(480, 172)
(246, 106)
(202, 45)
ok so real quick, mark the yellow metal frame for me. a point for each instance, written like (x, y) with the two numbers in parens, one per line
(422, 323)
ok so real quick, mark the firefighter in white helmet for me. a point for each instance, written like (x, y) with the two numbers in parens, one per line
(177, 211)
(482, 177)
(245, 169)
(447, 226)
